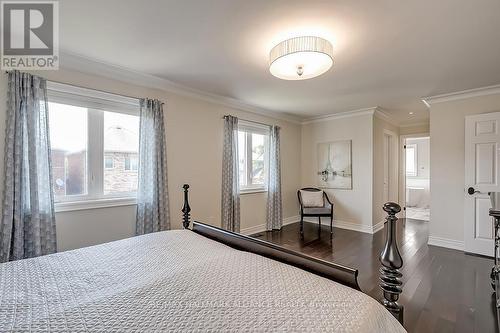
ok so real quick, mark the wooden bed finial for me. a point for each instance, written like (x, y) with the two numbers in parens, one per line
(186, 209)
(390, 258)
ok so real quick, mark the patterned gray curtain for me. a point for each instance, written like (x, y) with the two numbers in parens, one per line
(274, 206)
(28, 227)
(153, 213)
(230, 211)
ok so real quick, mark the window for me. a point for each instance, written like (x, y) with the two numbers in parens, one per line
(94, 138)
(108, 162)
(253, 150)
(411, 160)
(131, 163)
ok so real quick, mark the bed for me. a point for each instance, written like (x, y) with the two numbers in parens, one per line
(185, 280)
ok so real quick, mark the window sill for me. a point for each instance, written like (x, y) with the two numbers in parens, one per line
(252, 191)
(94, 204)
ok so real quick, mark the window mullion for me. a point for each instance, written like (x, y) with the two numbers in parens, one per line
(96, 153)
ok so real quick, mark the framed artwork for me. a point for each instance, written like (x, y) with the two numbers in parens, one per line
(335, 164)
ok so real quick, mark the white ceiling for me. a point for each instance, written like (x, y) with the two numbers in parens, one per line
(386, 53)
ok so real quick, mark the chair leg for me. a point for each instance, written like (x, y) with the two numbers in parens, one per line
(301, 225)
(331, 225)
(319, 226)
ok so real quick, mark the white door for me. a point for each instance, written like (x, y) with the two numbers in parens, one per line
(482, 149)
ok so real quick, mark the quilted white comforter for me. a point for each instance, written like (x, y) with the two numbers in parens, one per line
(177, 281)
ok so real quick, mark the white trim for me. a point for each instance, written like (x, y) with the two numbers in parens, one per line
(90, 66)
(252, 191)
(369, 229)
(90, 98)
(394, 172)
(262, 227)
(336, 223)
(408, 125)
(446, 242)
(377, 227)
(376, 111)
(464, 94)
(253, 230)
(94, 204)
(381, 114)
(340, 115)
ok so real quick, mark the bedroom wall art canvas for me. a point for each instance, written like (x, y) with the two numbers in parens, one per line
(335, 165)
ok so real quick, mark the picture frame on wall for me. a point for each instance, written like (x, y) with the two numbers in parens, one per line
(334, 170)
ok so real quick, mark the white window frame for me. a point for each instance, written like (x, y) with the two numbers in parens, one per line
(250, 128)
(415, 160)
(96, 102)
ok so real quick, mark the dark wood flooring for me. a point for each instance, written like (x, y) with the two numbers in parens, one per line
(444, 290)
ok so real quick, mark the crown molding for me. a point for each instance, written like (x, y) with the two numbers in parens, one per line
(376, 111)
(415, 124)
(464, 94)
(381, 114)
(86, 65)
(340, 115)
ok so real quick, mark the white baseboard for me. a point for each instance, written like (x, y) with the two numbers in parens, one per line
(291, 219)
(336, 223)
(345, 225)
(253, 230)
(262, 227)
(379, 226)
(446, 242)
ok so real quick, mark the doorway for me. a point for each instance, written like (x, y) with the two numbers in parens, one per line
(416, 169)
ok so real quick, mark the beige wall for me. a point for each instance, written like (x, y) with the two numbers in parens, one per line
(447, 128)
(351, 206)
(380, 127)
(194, 146)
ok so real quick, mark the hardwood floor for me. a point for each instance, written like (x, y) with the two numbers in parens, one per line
(444, 290)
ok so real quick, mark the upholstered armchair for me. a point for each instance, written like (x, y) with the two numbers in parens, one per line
(314, 202)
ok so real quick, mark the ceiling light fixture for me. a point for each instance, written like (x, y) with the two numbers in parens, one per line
(301, 58)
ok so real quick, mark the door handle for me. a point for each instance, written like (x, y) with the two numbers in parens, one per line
(471, 190)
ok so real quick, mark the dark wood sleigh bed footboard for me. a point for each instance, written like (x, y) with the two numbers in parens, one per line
(390, 258)
(338, 273)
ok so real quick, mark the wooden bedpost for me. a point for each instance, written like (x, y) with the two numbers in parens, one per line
(186, 209)
(390, 258)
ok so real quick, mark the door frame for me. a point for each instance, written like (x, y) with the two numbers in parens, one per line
(402, 164)
(393, 155)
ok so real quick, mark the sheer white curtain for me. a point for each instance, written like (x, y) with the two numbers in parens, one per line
(28, 226)
(230, 210)
(153, 213)
(274, 202)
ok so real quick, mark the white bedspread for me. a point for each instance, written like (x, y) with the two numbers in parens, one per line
(177, 281)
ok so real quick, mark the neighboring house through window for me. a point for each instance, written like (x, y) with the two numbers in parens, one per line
(253, 150)
(94, 138)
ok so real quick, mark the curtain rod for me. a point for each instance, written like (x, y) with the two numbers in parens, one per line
(250, 121)
(77, 86)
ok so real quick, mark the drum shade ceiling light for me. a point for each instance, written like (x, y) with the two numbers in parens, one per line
(301, 58)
